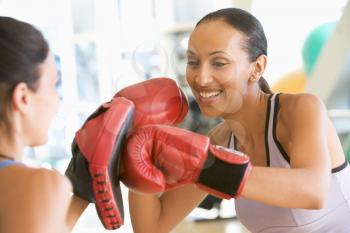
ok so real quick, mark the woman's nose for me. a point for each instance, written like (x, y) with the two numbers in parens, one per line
(203, 77)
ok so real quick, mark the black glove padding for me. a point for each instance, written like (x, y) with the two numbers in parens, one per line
(94, 167)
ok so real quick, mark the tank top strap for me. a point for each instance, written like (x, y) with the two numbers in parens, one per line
(276, 154)
(231, 142)
(7, 163)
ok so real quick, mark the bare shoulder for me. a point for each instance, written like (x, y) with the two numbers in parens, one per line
(302, 99)
(27, 177)
(50, 180)
(42, 182)
(219, 134)
(37, 193)
(297, 106)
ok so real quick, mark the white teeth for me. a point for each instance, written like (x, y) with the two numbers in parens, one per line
(209, 94)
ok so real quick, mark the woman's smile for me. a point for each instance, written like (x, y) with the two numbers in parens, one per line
(208, 97)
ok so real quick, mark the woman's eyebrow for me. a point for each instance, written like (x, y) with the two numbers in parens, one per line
(216, 52)
(189, 52)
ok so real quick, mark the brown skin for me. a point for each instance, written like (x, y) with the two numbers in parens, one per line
(34, 200)
(217, 65)
(39, 201)
(28, 206)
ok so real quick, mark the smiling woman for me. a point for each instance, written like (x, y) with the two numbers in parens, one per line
(299, 176)
(240, 53)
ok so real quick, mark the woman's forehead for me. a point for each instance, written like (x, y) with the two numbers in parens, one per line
(215, 35)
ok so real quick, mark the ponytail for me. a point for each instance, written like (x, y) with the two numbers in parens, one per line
(264, 86)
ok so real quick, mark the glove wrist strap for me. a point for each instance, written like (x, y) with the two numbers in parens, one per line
(222, 178)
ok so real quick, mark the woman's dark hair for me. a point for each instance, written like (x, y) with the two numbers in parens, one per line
(22, 49)
(256, 43)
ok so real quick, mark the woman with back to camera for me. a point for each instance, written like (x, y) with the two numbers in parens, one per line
(299, 180)
(32, 200)
(36, 200)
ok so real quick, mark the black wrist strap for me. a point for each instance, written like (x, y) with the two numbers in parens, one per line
(222, 176)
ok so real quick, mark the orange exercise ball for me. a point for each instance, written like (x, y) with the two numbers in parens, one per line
(292, 82)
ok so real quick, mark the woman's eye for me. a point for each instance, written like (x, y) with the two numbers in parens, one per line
(192, 63)
(218, 64)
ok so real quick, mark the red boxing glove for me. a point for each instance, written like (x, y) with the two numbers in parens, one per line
(94, 167)
(159, 157)
(157, 101)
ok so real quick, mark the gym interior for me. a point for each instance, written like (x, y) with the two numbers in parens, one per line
(102, 46)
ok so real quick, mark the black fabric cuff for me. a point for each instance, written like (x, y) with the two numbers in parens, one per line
(222, 176)
(78, 174)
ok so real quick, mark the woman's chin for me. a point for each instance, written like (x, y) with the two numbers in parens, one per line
(210, 112)
(39, 142)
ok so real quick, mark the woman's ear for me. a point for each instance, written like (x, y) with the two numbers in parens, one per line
(259, 68)
(21, 97)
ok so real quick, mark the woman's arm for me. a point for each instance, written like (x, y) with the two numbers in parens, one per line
(164, 212)
(150, 213)
(76, 208)
(306, 184)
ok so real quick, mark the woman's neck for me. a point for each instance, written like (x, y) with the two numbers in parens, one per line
(10, 148)
(8, 154)
(249, 122)
(5, 157)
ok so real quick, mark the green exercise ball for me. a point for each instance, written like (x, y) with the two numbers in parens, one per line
(346, 147)
(314, 43)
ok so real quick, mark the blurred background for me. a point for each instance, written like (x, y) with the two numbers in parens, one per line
(101, 46)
